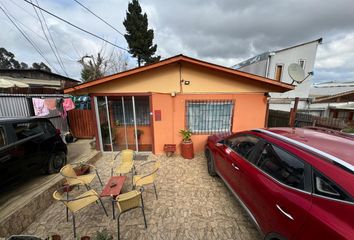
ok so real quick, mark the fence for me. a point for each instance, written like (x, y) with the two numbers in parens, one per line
(281, 119)
(81, 123)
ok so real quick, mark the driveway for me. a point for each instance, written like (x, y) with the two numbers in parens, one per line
(191, 205)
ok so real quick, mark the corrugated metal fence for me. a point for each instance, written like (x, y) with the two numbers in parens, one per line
(20, 105)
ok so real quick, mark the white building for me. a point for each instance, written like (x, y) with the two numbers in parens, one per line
(274, 65)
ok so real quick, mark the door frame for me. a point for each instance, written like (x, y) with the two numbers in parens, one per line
(97, 121)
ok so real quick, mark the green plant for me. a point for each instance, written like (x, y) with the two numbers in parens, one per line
(186, 135)
(103, 235)
(348, 130)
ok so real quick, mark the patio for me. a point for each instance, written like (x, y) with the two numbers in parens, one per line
(191, 205)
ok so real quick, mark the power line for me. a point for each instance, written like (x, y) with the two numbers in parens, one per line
(28, 39)
(82, 5)
(50, 45)
(73, 25)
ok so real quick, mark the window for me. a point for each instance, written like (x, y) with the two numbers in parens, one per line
(142, 110)
(325, 187)
(209, 116)
(25, 130)
(282, 166)
(243, 145)
(2, 137)
(302, 63)
(278, 72)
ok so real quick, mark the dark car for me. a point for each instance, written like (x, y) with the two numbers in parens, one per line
(294, 183)
(29, 146)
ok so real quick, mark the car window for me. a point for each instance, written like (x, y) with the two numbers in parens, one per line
(25, 130)
(2, 137)
(243, 145)
(327, 188)
(282, 166)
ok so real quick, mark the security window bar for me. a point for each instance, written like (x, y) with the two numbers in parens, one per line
(207, 117)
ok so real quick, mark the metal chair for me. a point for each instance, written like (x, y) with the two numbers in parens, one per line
(73, 179)
(129, 201)
(74, 204)
(126, 163)
(147, 179)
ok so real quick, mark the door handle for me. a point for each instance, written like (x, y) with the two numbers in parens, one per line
(237, 168)
(5, 158)
(285, 213)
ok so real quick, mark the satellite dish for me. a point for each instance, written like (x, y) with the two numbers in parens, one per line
(297, 73)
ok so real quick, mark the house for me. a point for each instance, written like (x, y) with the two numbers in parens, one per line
(39, 81)
(17, 102)
(274, 65)
(146, 107)
(332, 99)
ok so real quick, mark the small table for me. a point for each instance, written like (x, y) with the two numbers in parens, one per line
(113, 191)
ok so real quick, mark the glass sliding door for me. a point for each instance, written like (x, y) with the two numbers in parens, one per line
(128, 120)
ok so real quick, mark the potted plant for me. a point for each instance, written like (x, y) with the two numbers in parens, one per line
(187, 144)
(103, 235)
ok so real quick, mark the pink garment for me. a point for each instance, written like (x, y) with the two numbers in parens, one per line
(68, 104)
(50, 103)
(39, 108)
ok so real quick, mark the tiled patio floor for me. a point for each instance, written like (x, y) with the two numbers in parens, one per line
(191, 205)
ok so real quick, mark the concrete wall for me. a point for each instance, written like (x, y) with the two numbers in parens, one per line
(249, 112)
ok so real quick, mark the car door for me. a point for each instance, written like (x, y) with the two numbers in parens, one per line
(277, 190)
(28, 145)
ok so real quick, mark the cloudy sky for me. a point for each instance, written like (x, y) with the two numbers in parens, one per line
(224, 32)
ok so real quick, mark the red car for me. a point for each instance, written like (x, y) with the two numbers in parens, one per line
(294, 183)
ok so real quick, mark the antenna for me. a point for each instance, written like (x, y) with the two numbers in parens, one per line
(297, 73)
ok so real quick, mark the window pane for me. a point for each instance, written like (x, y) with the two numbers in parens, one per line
(209, 116)
(243, 145)
(282, 166)
(325, 187)
(25, 130)
(2, 137)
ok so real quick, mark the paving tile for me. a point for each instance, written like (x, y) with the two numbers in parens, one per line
(190, 205)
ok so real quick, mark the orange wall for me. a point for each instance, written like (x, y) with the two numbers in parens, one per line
(249, 112)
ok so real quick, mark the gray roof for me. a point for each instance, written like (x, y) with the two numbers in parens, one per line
(264, 55)
(331, 88)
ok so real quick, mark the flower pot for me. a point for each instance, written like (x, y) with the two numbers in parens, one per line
(187, 151)
(169, 149)
(85, 238)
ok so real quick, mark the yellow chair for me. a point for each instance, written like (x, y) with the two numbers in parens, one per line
(73, 179)
(77, 203)
(129, 201)
(126, 162)
(147, 179)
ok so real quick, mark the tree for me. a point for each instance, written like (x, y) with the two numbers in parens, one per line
(8, 61)
(139, 37)
(93, 68)
(41, 66)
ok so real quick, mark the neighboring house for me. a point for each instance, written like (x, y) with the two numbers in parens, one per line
(39, 81)
(146, 107)
(332, 99)
(17, 102)
(274, 65)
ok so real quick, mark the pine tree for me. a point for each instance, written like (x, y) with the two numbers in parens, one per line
(139, 37)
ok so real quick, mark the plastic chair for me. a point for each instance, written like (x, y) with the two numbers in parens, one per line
(147, 179)
(73, 179)
(77, 203)
(126, 163)
(129, 201)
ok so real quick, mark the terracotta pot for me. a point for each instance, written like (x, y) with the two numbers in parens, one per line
(85, 238)
(187, 150)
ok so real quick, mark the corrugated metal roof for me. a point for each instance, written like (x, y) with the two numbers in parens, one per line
(329, 91)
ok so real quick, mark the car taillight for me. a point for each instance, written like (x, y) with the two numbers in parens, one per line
(58, 131)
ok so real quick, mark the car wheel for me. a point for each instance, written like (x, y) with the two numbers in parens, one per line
(210, 162)
(56, 162)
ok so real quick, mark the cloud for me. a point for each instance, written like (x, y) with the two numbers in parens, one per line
(223, 32)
